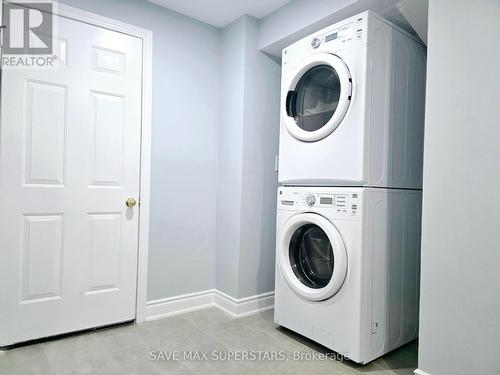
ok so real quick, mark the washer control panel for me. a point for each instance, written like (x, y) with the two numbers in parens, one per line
(310, 200)
(343, 203)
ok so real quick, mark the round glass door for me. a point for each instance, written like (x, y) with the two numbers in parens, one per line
(318, 97)
(312, 256)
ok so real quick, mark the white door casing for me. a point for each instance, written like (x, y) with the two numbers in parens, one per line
(70, 155)
(1, 30)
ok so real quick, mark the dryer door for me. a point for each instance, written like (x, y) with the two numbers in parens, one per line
(312, 256)
(317, 98)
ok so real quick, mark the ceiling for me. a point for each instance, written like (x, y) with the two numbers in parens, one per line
(220, 13)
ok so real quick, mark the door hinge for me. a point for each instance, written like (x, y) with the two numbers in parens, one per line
(374, 328)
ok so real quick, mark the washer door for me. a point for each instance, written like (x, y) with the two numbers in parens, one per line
(312, 257)
(318, 97)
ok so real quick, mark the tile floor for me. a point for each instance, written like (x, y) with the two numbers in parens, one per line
(130, 349)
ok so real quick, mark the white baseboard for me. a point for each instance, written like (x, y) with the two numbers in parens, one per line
(420, 372)
(239, 308)
(163, 308)
(236, 308)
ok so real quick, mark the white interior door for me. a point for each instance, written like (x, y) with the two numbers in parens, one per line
(69, 159)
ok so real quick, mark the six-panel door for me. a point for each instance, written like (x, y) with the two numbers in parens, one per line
(69, 159)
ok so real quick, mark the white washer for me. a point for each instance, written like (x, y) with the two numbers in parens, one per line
(347, 271)
(352, 107)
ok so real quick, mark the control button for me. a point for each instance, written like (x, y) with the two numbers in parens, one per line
(315, 43)
(310, 200)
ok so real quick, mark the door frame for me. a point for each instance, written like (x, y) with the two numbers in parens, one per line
(146, 122)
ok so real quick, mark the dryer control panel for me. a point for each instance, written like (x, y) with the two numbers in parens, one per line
(345, 34)
(338, 201)
(340, 36)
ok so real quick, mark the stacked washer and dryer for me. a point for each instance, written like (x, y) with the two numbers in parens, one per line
(350, 166)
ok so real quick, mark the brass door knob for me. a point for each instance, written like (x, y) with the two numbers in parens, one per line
(131, 202)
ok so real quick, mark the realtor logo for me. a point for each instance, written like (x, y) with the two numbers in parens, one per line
(28, 28)
(27, 37)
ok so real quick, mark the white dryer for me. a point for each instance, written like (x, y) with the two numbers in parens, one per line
(352, 107)
(347, 271)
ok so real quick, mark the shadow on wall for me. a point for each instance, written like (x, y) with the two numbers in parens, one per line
(270, 136)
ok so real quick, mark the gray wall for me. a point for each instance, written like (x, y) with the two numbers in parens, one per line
(260, 180)
(230, 158)
(460, 287)
(215, 136)
(185, 140)
(300, 18)
(247, 180)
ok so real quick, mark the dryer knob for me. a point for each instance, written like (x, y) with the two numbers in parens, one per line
(315, 43)
(310, 200)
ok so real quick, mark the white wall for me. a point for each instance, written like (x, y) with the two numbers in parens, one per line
(185, 130)
(460, 287)
(247, 180)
